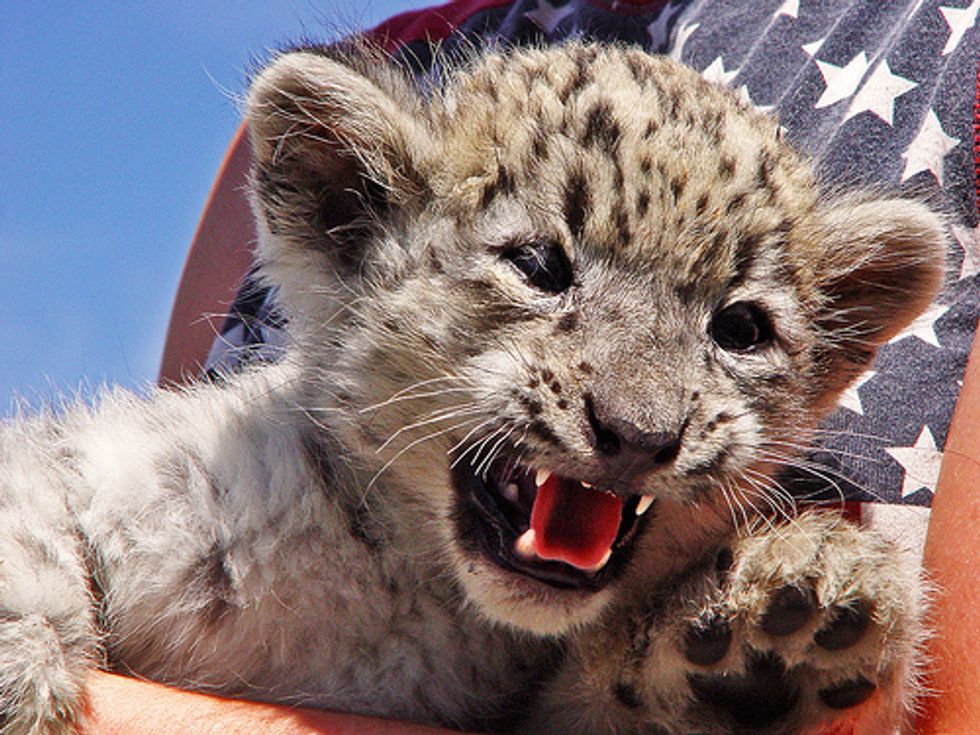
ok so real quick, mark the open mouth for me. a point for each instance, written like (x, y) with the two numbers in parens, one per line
(557, 530)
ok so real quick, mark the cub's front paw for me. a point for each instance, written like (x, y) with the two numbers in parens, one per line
(808, 619)
(782, 632)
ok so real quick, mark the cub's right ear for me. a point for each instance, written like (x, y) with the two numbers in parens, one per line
(337, 140)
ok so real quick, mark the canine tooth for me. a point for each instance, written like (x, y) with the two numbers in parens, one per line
(541, 477)
(526, 546)
(512, 492)
(644, 505)
(586, 484)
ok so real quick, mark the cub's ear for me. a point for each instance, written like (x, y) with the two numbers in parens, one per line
(337, 139)
(884, 264)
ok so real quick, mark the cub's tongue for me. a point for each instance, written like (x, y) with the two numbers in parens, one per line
(573, 523)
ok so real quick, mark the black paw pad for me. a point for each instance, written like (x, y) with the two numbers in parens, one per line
(789, 610)
(848, 694)
(848, 626)
(764, 694)
(707, 644)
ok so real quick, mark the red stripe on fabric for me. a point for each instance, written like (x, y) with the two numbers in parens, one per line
(429, 24)
(976, 142)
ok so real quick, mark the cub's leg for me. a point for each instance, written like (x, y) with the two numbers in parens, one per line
(47, 638)
(781, 632)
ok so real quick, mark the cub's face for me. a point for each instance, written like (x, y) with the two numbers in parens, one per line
(569, 288)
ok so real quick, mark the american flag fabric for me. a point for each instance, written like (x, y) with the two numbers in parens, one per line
(877, 93)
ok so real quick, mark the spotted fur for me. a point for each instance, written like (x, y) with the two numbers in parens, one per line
(295, 532)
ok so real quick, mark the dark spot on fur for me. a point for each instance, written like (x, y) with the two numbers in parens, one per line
(533, 383)
(701, 204)
(736, 202)
(576, 202)
(745, 257)
(362, 526)
(726, 167)
(601, 128)
(568, 322)
(651, 129)
(623, 234)
(677, 185)
(539, 145)
(627, 696)
(210, 579)
(763, 176)
(618, 180)
(562, 404)
(503, 183)
(435, 265)
(637, 68)
(645, 165)
(642, 203)
(580, 79)
(586, 368)
(555, 387)
(541, 429)
(547, 376)
(695, 395)
(531, 405)
(321, 461)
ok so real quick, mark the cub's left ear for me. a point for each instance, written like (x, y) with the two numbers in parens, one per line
(883, 265)
(337, 139)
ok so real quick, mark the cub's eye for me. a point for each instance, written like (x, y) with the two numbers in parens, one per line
(741, 327)
(543, 264)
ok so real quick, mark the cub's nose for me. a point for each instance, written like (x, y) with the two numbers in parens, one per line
(626, 450)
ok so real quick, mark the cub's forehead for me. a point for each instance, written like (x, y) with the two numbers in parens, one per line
(617, 149)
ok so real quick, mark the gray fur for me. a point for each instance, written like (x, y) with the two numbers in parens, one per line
(292, 534)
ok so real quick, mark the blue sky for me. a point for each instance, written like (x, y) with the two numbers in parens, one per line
(114, 117)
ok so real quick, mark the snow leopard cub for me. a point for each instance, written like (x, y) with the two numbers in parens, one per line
(552, 320)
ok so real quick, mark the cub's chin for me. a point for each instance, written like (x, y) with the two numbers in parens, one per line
(538, 550)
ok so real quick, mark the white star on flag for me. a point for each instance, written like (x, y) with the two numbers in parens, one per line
(924, 327)
(811, 49)
(879, 92)
(842, 81)
(547, 16)
(927, 151)
(658, 29)
(969, 240)
(851, 399)
(920, 463)
(715, 72)
(683, 33)
(959, 20)
(790, 8)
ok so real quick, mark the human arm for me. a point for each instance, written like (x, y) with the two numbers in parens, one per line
(120, 705)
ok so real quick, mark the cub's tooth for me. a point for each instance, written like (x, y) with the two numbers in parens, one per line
(541, 477)
(644, 505)
(602, 562)
(526, 546)
(586, 484)
(512, 492)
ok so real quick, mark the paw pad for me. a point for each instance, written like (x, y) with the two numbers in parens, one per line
(707, 644)
(848, 694)
(762, 695)
(847, 626)
(788, 611)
